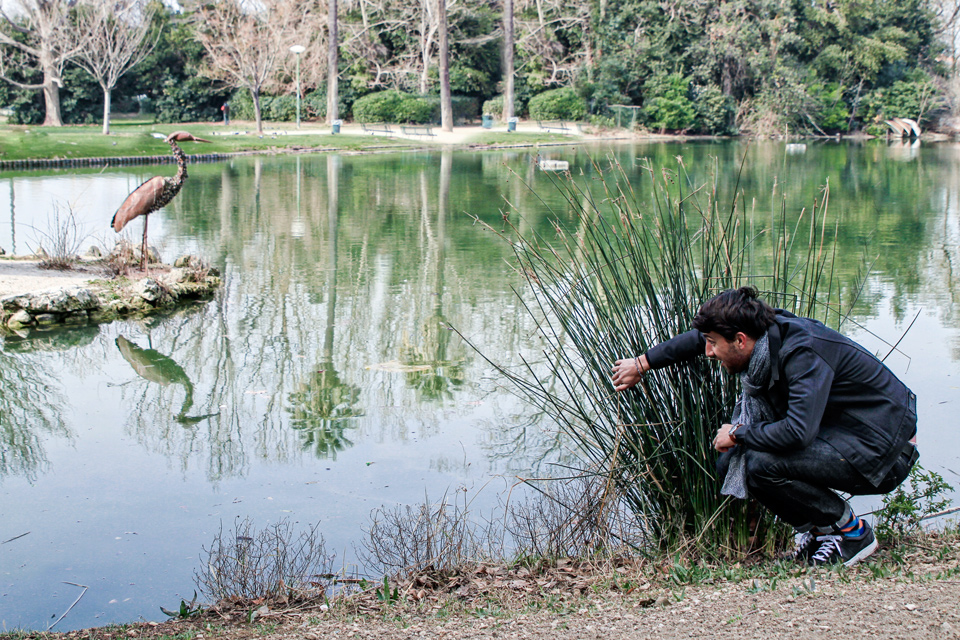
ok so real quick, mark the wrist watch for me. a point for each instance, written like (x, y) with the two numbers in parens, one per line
(732, 431)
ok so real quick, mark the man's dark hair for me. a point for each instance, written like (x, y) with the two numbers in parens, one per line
(733, 311)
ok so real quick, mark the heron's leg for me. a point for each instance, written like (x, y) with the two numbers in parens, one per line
(143, 248)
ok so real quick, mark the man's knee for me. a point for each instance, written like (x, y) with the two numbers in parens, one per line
(763, 469)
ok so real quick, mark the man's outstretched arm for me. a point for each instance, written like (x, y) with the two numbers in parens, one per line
(627, 372)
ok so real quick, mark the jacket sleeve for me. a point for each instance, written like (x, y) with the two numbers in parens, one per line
(685, 346)
(808, 378)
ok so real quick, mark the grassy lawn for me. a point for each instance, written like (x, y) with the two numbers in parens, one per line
(133, 137)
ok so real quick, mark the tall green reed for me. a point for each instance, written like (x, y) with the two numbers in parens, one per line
(632, 272)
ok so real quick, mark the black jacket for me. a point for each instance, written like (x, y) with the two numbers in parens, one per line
(822, 385)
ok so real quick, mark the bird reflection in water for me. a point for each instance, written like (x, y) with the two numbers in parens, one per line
(153, 366)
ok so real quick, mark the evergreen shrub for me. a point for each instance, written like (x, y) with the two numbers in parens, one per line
(494, 107)
(396, 106)
(467, 81)
(314, 105)
(192, 99)
(668, 105)
(241, 105)
(465, 108)
(914, 97)
(833, 114)
(381, 106)
(558, 104)
(280, 108)
(715, 111)
(416, 110)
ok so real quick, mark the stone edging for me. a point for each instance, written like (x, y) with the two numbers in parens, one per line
(54, 163)
(106, 300)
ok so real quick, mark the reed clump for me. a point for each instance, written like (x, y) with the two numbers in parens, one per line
(275, 563)
(60, 242)
(631, 271)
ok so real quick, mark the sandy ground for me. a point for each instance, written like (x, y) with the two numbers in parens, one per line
(19, 276)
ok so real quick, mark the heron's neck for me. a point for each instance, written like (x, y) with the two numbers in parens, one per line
(181, 162)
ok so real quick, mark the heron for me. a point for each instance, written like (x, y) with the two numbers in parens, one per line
(155, 193)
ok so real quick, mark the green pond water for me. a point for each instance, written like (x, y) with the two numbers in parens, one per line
(325, 381)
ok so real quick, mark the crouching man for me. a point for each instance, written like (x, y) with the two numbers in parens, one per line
(819, 414)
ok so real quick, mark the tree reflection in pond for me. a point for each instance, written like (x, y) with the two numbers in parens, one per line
(321, 410)
(323, 402)
(31, 407)
(427, 365)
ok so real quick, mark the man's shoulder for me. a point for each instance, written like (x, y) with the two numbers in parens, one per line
(797, 332)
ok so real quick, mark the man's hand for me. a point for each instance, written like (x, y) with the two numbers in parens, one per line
(723, 442)
(628, 371)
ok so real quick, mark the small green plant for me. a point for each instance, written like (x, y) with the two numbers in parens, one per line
(923, 494)
(186, 609)
(688, 574)
(385, 594)
(879, 570)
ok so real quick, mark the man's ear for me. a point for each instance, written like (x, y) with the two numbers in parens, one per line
(741, 339)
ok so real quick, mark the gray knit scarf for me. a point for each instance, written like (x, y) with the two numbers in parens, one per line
(751, 407)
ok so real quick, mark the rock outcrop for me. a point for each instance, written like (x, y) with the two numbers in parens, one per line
(109, 299)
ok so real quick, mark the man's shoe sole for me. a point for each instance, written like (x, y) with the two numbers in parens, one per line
(865, 553)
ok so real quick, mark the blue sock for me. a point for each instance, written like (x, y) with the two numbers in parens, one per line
(853, 527)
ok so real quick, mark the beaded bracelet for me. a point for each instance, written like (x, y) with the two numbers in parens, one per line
(636, 362)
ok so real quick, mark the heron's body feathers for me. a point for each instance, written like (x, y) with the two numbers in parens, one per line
(155, 193)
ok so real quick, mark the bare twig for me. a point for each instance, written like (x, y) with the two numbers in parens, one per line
(906, 331)
(939, 513)
(15, 538)
(64, 615)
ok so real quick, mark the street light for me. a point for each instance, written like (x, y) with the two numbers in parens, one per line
(298, 49)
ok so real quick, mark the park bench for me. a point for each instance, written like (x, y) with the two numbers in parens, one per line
(548, 125)
(376, 127)
(417, 130)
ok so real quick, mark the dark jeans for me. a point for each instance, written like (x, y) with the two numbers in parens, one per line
(800, 487)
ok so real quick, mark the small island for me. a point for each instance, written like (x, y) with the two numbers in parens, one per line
(96, 290)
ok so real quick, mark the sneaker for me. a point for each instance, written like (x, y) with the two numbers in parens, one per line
(845, 550)
(805, 544)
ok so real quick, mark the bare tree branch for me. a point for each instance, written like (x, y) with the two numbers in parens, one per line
(52, 40)
(247, 42)
(116, 41)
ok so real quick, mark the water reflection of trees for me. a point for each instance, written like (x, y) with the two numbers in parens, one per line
(31, 410)
(323, 405)
(363, 272)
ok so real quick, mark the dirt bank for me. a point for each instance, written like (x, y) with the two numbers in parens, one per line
(912, 591)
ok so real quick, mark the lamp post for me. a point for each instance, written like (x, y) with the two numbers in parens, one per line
(298, 49)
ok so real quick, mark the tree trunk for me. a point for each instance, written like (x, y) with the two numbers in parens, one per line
(256, 110)
(51, 89)
(726, 79)
(425, 42)
(508, 59)
(51, 100)
(333, 62)
(446, 102)
(106, 111)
